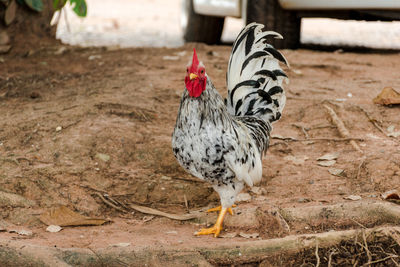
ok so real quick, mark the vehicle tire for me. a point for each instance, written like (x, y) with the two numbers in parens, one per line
(275, 18)
(200, 28)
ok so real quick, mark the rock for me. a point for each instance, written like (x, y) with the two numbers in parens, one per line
(93, 57)
(58, 128)
(4, 39)
(53, 228)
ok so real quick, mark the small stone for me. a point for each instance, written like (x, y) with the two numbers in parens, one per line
(59, 128)
(93, 57)
(53, 228)
(121, 245)
(303, 200)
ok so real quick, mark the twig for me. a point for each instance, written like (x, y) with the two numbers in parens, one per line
(178, 217)
(366, 248)
(317, 139)
(380, 260)
(109, 203)
(359, 168)
(363, 226)
(316, 254)
(372, 120)
(330, 258)
(342, 129)
(186, 202)
(301, 127)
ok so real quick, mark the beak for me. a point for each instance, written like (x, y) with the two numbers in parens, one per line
(193, 76)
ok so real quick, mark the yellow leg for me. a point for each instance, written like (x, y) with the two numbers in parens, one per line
(216, 229)
(219, 209)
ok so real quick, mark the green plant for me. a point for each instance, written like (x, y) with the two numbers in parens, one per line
(78, 6)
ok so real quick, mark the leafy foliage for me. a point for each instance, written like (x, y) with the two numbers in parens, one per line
(78, 6)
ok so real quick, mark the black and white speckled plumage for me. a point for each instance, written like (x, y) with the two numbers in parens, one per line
(223, 143)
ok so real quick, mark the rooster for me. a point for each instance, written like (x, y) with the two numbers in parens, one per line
(222, 142)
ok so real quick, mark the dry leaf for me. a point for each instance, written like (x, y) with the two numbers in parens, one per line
(63, 216)
(388, 96)
(296, 160)
(329, 156)
(327, 163)
(228, 235)
(254, 235)
(352, 197)
(336, 172)
(11, 10)
(392, 194)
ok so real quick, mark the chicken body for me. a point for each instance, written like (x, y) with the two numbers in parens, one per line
(223, 142)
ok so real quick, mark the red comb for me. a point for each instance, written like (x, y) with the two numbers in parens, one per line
(195, 61)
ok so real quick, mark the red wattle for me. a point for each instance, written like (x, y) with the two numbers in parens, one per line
(195, 87)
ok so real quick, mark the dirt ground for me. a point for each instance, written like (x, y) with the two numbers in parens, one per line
(62, 109)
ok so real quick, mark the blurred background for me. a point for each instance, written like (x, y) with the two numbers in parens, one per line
(156, 23)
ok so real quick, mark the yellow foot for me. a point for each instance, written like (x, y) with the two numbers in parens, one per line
(219, 209)
(209, 231)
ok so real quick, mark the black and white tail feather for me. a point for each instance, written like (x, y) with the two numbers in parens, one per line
(254, 76)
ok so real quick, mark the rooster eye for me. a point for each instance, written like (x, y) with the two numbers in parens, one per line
(202, 71)
(187, 69)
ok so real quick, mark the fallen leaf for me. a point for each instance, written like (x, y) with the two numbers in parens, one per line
(327, 163)
(336, 172)
(147, 218)
(21, 232)
(4, 49)
(329, 156)
(228, 235)
(4, 39)
(103, 157)
(388, 96)
(253, 235)
(391, 194)
(11, 10)
(296, 160)
(53, 228)
(352, 197)
(63, 216)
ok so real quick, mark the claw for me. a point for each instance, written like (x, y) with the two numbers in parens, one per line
(216, 229)
(219, 209)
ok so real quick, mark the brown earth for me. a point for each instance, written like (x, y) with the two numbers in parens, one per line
(123, 103)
